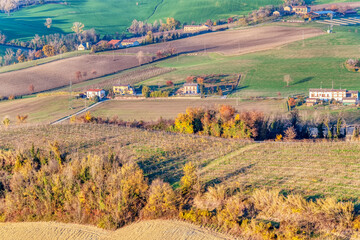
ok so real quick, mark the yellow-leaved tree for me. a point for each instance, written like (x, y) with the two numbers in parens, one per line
(161, 201)
(190, 180)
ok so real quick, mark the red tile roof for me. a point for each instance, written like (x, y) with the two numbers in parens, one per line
(94, 90)
(113, 42)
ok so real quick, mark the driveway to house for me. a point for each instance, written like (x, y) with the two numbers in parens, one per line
(77, 113)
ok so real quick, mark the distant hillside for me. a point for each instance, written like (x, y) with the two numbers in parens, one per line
(111, 16)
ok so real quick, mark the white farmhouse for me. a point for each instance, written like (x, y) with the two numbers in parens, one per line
(95, 92)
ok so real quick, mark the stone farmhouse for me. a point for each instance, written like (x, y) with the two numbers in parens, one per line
(114, 43)
(301, 10)
(130, 42)
(341, 95)
(124, 90)
(191, 89)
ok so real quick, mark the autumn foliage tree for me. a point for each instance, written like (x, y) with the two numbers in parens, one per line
(161, 201)
(189, 182)
(48, 50)
(169, 83)
(39, 54)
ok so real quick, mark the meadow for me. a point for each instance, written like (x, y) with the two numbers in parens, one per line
(109, 17)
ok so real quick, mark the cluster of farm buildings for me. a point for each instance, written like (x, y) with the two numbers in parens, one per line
(306, 11)
(343, 96)
(188, 89)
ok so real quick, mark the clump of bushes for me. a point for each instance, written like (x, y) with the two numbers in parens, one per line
(352, 65)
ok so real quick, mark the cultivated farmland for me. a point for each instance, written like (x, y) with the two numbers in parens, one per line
(145, 230)
(60, 73)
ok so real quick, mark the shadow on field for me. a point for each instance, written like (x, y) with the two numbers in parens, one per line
(304, 80)
(228, 176)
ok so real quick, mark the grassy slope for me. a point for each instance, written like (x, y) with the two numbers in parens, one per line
(40, 109)
(324, 168)
(105, 16)
(111, 16)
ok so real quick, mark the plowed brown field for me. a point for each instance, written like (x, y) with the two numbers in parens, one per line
(145, 230)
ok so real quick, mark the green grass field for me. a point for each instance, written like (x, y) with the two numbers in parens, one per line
(111, 16)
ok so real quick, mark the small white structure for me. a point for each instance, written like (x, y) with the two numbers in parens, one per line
(81, 47)
(95, 92)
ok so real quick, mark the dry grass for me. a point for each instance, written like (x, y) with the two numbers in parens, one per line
(40, 109)
(146, 230)
(153, 109)
(324, 168)
(59, 73)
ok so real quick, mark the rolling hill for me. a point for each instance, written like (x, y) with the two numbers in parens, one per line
(111, 16)
(59, 73)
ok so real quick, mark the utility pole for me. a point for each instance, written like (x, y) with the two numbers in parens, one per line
(70, 96)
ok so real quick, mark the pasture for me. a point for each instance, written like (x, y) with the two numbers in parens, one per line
(109, 17)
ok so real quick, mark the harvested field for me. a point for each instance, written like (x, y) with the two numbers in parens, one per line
(234, 41)
(131, 78)
(59, 73)
(161, 229)
(50, 230)
(153, 109)
(146, 230)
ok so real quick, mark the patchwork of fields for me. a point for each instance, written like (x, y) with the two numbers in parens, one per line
(60, 73)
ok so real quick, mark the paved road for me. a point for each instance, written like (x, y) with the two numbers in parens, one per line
(77, 113)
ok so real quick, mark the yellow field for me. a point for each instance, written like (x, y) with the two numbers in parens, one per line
(145, 230)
